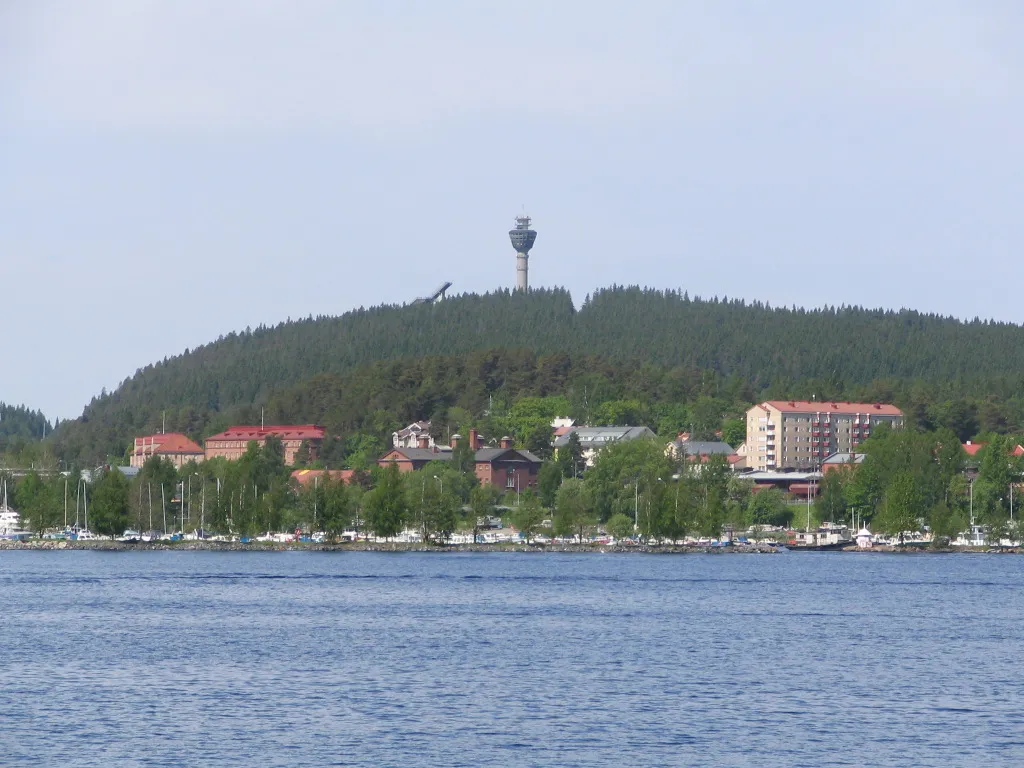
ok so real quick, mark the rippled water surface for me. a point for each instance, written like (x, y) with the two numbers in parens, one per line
(307, 659)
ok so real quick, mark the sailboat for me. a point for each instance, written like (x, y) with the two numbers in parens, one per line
(84, 534)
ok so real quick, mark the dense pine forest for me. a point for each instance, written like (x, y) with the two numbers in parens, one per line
(628, 354)
(20, 426)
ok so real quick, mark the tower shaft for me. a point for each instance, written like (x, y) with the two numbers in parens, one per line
(522, 271)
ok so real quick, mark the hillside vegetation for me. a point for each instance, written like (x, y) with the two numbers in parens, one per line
(389, 363)
(20, 426)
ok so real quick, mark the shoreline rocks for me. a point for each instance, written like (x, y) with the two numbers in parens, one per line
(362, 546)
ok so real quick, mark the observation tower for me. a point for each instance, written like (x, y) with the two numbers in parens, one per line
(522, 238)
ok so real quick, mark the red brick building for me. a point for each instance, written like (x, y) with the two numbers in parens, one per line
(503, 467)
(233, 442)
(173, 446)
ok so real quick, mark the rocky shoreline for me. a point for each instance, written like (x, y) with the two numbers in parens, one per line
(223, 546)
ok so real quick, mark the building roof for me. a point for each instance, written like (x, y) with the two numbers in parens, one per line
(489, 455)
(415, 428)
(703, 447)
(769, 476)
(812, 406)
(419, 454)
(284, 432)
(971, 449)
(598, 436)
(306, 476)
(486, 455)
(166, 443)
(844, 458)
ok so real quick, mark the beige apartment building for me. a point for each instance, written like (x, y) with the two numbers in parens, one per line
(797, 434)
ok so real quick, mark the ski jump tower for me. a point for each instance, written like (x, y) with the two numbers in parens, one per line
(522, 238)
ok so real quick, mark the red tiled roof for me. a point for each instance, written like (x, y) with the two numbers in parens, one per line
(285, 432)
(306, 476)
(810, 406)
(167, 443)
(971, 449)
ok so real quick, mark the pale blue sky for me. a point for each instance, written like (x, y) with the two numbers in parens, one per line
(174, 170)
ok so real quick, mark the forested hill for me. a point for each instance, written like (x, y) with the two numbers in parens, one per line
(764, 346)
(20, 425)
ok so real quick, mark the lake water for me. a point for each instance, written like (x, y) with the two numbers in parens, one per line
(506, 659)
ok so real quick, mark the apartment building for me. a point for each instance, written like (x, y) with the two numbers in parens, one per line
(797, 434)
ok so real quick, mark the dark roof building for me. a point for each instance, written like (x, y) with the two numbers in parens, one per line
(502, 467)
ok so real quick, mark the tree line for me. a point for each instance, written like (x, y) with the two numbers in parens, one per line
(909, 479)
(964, 375)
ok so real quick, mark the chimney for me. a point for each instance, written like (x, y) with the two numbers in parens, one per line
(424, 441)
(506, 442)
(455, 440)
(474, 439)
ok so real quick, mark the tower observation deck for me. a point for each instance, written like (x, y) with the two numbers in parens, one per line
(522, 238)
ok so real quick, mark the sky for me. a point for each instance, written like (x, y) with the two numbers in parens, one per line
(174, 170)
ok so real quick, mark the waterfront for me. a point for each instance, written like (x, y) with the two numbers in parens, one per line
(307, 658)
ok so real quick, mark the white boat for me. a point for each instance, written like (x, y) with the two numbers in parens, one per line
(10, 521)
(86, 535)
(977, 536)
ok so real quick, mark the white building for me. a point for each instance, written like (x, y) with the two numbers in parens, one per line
(593, 439)
(416, 435)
